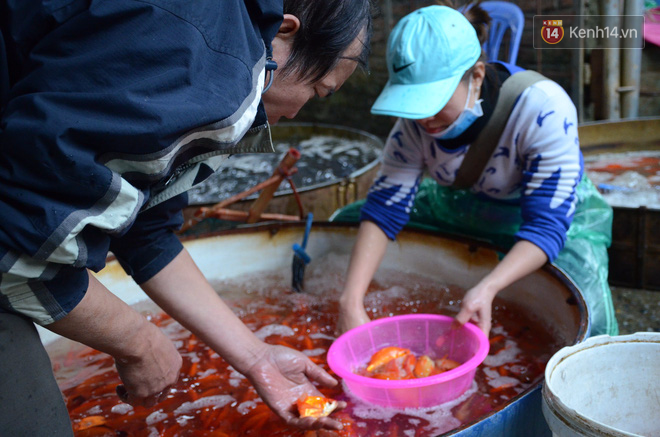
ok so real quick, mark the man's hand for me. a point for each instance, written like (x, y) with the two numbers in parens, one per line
(147, 361)
(282, 376)
(149, 374)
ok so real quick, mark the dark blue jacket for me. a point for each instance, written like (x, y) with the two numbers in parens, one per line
(111, 110)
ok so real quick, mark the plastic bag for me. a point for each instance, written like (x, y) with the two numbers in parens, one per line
(584, 256)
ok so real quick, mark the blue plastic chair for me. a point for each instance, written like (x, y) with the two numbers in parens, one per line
(504, 16)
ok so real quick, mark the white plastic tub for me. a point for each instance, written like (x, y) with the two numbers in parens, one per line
(605, 386)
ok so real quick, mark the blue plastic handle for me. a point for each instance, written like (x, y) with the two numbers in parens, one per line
(301, 253)
(308, 227)
(609, 188)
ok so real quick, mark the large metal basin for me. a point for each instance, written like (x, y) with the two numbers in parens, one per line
(546, 294)
(635, 251)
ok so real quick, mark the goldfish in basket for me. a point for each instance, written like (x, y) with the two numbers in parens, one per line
(384, 356)
(396, 363)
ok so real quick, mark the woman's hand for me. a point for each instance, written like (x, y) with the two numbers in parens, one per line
(282, 376)
(477, 306)
(523, 258)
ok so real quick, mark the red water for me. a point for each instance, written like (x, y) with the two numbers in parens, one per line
(211, 399)
(647, 166)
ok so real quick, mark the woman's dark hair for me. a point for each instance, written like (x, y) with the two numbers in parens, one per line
(327, 29)
(480, 20)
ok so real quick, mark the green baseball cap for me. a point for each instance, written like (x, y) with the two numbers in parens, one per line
(428, 52)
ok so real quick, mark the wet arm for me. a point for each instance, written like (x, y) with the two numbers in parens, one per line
(523, 259)
(184, 293)
(146, 360)
(384, 214)
(366, 256)
(280, 375)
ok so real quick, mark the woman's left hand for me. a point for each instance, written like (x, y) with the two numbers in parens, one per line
(283, 376)
(477, 306)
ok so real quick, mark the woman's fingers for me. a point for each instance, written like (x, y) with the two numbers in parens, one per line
(464, 315)
(349, 319)
(481, 317)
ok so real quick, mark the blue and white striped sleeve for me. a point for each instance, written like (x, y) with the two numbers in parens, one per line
(392, 194)
(553, 166)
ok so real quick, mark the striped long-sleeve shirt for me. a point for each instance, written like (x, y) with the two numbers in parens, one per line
(537, 164)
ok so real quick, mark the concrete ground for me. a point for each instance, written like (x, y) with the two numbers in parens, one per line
(636, 310)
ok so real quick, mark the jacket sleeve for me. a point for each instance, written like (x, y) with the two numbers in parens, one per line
(109, 99)
(392, 194)
(150, 244)
(4, 74)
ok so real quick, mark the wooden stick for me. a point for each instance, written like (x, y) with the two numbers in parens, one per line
(282, 171)
(233, 215)
(240, 196)
(269, 186)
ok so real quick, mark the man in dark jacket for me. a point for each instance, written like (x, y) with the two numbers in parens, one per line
(110, 111)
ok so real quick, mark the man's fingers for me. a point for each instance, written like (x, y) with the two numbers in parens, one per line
(318, 374)
(148, 401)
(328, 423)
(122, 393)
(316, 423)
(341, 405)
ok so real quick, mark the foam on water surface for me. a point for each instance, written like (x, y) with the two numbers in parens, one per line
(630, 179)
(440, 417)
(324, 159)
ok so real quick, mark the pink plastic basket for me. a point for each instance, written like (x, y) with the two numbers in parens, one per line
(423, 334)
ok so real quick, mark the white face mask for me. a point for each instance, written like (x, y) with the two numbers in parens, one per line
(463, 121)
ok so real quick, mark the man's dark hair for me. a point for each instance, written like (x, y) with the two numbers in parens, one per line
(327, 29)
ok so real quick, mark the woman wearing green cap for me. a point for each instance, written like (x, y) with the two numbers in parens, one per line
(518, 168)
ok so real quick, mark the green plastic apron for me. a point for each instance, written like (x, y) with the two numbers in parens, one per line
(584, 256)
